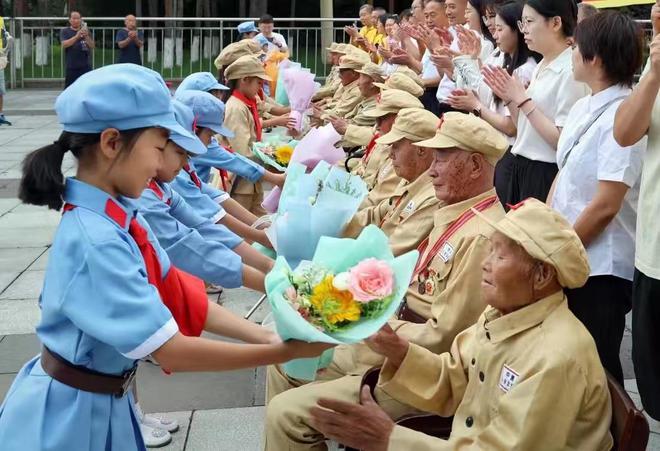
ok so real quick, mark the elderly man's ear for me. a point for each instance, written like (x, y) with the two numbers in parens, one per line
(545, 276)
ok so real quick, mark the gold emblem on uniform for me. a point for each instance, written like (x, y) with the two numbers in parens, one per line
(426, 282)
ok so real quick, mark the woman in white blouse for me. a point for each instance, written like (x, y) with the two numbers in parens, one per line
(597, 187)
(540, 110)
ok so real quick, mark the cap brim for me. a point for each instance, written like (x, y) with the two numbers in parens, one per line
(190, 145)
(381, 85)
(175, 128)
(264, 77)
(219, 86)
(219, 129)
(390, 138)
(377, 112)
(439, 142)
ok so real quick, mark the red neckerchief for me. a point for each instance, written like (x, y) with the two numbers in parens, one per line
(193, 176)
(153, 186)
(252, 105)
(370, 147)
(424, 262)
(183, 294)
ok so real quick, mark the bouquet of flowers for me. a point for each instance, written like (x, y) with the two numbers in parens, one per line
(275, 151)
(346, 293)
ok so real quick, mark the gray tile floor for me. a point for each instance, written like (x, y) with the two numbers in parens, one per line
(217, 411)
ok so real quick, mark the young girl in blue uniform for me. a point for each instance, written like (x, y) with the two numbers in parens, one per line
(100, 313)
(196, 244)
(209, 119)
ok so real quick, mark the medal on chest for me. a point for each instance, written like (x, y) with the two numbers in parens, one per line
(426, 282)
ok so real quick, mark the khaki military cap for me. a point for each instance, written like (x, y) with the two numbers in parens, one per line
(352, 61)
(416, 124)
(402, 83)
(547, 236)
(353, 50)
(391, 101)
(470, 133)
(374, 71)
(246, 66)
(414, 76)
(332, 48)
(234, 51)
(342, 49)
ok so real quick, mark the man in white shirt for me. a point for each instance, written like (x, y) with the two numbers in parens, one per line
(597, 187)
(276, 41)
(455, 10)
(639, 115)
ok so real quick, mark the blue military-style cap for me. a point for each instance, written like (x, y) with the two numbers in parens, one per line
(121, 96)
(186, 118)
(208, 110)
(200, 81)
(247, 27)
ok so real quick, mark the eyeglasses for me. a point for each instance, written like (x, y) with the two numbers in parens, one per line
(523, 24)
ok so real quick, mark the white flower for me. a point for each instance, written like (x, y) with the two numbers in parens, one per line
(341, 281)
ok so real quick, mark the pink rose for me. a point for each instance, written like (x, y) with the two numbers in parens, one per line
(371, 279)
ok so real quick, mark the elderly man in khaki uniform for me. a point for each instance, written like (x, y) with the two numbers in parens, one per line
(375, 166)
(332, 81)
(350, 96)
(526, 376)
(356, 127)
(445, 295)
(407, 217)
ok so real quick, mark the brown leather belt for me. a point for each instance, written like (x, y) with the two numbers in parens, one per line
(406, 314)
(83, 378)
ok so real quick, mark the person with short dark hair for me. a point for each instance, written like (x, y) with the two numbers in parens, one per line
(276, 41)
(76, 41)
(130, 41)
(597, 187)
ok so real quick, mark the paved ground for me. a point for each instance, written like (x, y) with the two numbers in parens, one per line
(218, 411)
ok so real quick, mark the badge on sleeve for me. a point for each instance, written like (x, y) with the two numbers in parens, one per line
(447, 252)
(508, 378)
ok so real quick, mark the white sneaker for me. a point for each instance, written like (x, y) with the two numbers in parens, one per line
(153, 437)
(159, 422)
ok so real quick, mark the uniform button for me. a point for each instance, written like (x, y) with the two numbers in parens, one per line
(488, 335)
(469, 421)
(481, 376)
(473, 361)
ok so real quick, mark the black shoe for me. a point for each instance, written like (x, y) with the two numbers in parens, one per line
(3, 120)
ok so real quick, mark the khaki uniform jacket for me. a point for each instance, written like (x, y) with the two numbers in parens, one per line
(239, 120)
(450, 297)
(379, 175)
(332, 83)
(529, 380)
(406, 218)
(347, 101)
(360, 129)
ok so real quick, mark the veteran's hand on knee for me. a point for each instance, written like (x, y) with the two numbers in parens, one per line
(388, 343)
(364, 426)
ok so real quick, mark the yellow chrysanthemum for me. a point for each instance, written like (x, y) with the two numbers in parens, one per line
(283, 154)
(334, 305)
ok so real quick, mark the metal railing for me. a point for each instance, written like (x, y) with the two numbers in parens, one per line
(175, 47)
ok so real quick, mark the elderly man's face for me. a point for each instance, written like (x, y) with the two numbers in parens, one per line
(74, 20)
(451, 174)
(507, 275)
(384, 124)
(130, 22)
(404, 157)
(366, 85)
(366, 17)
(347, 76)
(434, 15)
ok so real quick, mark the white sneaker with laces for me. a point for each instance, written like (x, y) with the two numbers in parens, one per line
(156, 421)
(154, 437)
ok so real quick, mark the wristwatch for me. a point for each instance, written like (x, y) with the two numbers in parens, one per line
(477, 111)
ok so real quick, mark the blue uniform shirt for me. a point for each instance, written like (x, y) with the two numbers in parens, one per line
(205, 200)
(99, 311)
(194, 243)
(219, 157)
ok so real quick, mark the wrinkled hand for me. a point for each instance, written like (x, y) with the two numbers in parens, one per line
(388, 343)
(364, 426)
(468, 42)
(339, 124)
(506, 87)
(351, 31)
(400, 56)
(464, 100)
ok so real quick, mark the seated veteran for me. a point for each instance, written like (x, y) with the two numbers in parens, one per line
(357, 127)
(526, 376)
(342, 50)
(332, 81)
(375, 166)
(406, 217)
(445, 295)
(350, 95)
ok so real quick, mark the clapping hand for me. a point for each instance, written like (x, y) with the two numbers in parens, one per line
(339, 124)
(352, 31)
(400, 56)
(468, 42)
(464, 100)
(509, 88)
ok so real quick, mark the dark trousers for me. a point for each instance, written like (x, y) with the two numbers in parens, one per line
(601, 304)
(73, 74)
(430, 101)
(646, 340)
(517, 178)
